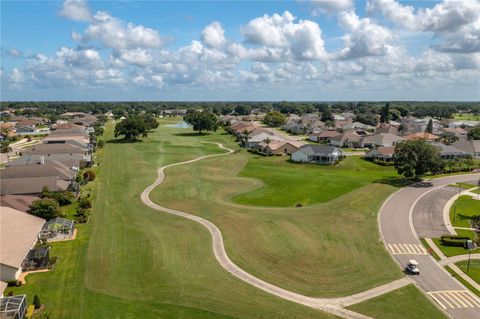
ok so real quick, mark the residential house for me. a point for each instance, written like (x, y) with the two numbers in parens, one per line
(472, 147)
(347, 139)
(463, 124)
(449, 152)
(457, 133)
(383, 154)
(32, 185)
(380, 140)
(422, 136)
(52, 149)
(19, 235)
(322, 136)
(262, 137)
(279, 147)
(318, 154)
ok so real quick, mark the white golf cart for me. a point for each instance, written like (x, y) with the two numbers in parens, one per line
(412, 267)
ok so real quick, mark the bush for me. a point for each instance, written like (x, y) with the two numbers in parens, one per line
(88, 176)
(84, 203)
(454, 240)
(63, 198)
(81, 216)
(100, 144)
(36, 302)
(14, 283)
(46, 208)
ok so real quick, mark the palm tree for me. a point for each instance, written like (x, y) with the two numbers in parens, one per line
(246, 134)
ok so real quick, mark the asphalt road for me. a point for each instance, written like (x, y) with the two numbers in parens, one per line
(423, 203)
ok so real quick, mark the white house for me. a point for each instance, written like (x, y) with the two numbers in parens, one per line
(319, 154)
(19, 233)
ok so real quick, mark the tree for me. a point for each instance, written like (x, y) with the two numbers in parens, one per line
(201, 121)
(402, 128)
(474, 133)
(245, 134)
(274, 118)
(385, 113)
(327, 116)
(84, 202)
(46, 208)
(150, 121)
(89, 175)
(36, 302)
(416, 158)
(131, 128)
(243, 109)
(100, 143)
(429, 128)
(5, 147)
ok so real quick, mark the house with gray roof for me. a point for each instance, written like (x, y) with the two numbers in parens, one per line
(32, 185)
(318, 154)
(472, 147)
(380, 140)
(449, 152)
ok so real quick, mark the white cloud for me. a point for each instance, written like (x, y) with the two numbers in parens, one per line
(330, 6)
(17, 76)
(76, 10)
(302, 40)
(366, 38)
(214, 35)
(139, 57)
(116, 34)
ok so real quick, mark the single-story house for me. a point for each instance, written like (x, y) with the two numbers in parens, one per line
(449, 152)
(47, 169)
(380, 140)
(279, 147)
(262, 137)
(319, 154)
(421, 136)
(383, 154)
(18, 202)
(31, 185)
(347, 139)
(458, 132)
(323, 136)
(472, 147)
(19, 235)
(56, 148)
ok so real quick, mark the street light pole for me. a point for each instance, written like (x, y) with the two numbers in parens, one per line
(468, 265)
(454, 214)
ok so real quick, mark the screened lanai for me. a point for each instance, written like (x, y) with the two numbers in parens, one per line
(57, 229)
(13, 307)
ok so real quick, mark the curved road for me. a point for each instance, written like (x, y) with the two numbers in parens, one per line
(407, 213)
(333, 306)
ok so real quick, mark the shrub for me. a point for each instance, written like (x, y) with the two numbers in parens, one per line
(299, 205)
(88, 176)
(100, 144)
(63, 197)
(84, 202)
(14, 283)
(36, 302)
(81, 216)
(46, 208)
(454, 240)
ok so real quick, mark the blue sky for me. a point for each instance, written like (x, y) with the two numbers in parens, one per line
(240, 50)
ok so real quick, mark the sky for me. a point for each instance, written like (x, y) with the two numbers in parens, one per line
(301, 50)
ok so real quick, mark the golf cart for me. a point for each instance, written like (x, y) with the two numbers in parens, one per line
(412, 267)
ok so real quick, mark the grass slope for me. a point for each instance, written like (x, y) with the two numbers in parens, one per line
(406, 302)
(286, 184)
(466, 207)
(474, 272)
(132, 262)
(331, 249)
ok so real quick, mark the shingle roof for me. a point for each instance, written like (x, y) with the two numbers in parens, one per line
(38, 170)
(31, 185)
(320, 150)
(60, 148)
(19, 232)
(472, 146)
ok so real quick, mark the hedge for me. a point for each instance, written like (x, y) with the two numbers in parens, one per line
(454, 240)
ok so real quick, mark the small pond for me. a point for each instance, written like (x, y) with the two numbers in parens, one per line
(182, 124)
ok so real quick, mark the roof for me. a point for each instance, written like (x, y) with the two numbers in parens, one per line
(449, 150)
(319, 150)
(31, 185)
(38, 170)
(472, 146)
(421, 136)
(66, 160)
(74, 131)
(383, 151)
(60, 148)
(347, 136)
(19, 233)
(58, 223)
(18, 202)
(326, 134)
(382, 138)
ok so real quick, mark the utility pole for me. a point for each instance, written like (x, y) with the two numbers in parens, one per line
(468, 265)
(454, 214)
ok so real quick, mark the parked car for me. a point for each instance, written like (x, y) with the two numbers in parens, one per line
(412, 267)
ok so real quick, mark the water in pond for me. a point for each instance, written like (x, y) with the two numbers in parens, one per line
(179, 125)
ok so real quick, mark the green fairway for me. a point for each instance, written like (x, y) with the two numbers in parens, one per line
(466, 207)
(466, 117)
(474, 271)
(134, 262)
(330, 249)
(406, 302)
(286, 184)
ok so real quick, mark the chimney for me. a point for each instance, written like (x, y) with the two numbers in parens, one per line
(42, 160)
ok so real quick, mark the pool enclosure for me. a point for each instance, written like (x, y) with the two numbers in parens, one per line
(13, 307)
(57, 229)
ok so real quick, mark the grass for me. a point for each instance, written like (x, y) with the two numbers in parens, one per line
(330, 249)
(406, 302)
(463, 185)
(429, 249)
(131, 261)
(282, 183)
(465, 283)
(450, 251)
(466, 117)
(474, 272)
(466, 207)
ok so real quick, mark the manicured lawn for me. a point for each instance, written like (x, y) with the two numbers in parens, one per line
(282, 183)
(466, 207)
(406, 302)
(465, 283)
(466, 117)
(134, 262)
(474, 272)
(329, 249)
(450, 251)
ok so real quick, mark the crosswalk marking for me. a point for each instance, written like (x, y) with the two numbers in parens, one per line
(407, 249)
(455, 299)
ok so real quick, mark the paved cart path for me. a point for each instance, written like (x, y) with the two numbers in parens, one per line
(334, 306)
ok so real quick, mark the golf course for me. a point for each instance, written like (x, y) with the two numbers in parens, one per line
(133, 261)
